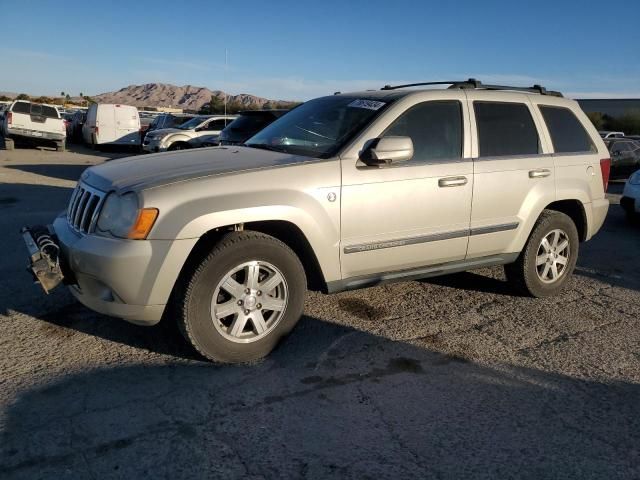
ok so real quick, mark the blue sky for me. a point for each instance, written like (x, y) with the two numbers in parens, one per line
(298, 50)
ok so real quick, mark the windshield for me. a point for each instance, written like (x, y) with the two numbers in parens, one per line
(320, 127)
(191, 124)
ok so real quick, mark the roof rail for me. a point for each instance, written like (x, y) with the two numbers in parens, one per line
(472, 83)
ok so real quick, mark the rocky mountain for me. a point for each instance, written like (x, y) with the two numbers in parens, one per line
(187, 97)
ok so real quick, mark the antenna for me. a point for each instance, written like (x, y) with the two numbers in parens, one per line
(224, 82)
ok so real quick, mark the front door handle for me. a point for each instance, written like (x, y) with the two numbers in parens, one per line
(452, 182)
(539, 173)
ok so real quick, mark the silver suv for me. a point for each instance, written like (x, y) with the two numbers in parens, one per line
(343, 192)
(177, 138)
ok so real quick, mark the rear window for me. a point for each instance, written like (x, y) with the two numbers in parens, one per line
(35, 109)
(21, 107)
(567, 133)
(505, 129)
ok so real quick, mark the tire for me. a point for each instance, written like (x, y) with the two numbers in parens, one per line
(529, 278)
(632, 217)
(212, 334)
(9, 144)
(177, 146)
(60, 146)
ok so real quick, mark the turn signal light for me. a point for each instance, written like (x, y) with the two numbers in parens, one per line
(144, 223)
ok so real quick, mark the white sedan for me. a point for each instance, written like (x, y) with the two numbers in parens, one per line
(630, 200)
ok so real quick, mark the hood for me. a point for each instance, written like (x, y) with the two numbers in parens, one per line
(147, 171)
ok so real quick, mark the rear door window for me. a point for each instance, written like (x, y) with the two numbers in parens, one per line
(505, 129)
(567, 133)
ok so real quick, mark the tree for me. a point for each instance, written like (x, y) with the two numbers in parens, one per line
(23, 96)
(597, 119)
(4, 98)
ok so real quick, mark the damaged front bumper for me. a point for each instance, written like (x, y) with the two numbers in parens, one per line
(46, 262)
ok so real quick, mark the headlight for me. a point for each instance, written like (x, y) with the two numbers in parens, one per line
(121, 217)
(635, 178)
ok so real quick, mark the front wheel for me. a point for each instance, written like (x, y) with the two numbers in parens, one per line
(242, 298)
(549, 256)
(177, 146)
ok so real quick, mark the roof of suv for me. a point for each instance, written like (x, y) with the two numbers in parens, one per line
(390, 92)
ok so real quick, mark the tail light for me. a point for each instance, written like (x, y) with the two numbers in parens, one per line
(95, 129)
(605, 168)
(9, 118)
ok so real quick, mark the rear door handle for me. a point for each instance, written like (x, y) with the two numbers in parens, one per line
(452, 182)
(539, 173)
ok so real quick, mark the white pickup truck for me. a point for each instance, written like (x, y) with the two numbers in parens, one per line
(29, 122)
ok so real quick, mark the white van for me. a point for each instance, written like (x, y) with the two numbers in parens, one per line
(112, 124)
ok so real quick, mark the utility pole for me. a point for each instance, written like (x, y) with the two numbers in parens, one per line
(224, 82)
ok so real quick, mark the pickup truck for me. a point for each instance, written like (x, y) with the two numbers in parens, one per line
(29, 122)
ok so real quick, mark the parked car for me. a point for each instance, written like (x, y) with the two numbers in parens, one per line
(109, 124)
(625, 156)
(630, 200)
(343, 192)
(608, 134)
(247, 125)
(241, 129)
(66, 118)
(34, 123)
(169, 120)
(177, 138)
(74, 131)
(204, 141)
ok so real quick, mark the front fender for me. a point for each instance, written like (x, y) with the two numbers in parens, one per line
(173, 138)
(298, 195)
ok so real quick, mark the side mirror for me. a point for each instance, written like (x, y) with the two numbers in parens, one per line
(386, 150)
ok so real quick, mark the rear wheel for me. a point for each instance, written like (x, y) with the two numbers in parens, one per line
(60, 146)
(242, 298)
(549, 257)
(9, 144)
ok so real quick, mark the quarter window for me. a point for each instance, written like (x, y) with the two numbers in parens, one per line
(505, 129)
(567, 133)
(435, 129)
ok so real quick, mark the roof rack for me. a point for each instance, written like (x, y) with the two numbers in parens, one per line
(472, 83)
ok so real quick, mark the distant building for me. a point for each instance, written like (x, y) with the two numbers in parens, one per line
(614, 107)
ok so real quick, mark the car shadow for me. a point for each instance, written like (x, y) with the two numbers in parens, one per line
(368, 407)
(488, 280)
(54, 170)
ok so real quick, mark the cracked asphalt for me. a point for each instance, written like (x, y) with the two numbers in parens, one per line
(453, 377)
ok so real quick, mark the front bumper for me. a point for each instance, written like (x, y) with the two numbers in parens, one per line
(153, 146)
(128, 279)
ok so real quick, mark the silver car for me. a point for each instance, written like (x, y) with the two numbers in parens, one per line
(343, 192)
(177, 138)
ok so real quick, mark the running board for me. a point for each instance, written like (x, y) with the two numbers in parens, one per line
(364, 281)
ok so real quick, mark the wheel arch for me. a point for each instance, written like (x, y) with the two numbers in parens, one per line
(285, 231)
(575, 210)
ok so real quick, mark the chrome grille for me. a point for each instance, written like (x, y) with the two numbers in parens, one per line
(84, 207)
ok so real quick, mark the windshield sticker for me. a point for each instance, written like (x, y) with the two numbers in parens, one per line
(368, 104)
